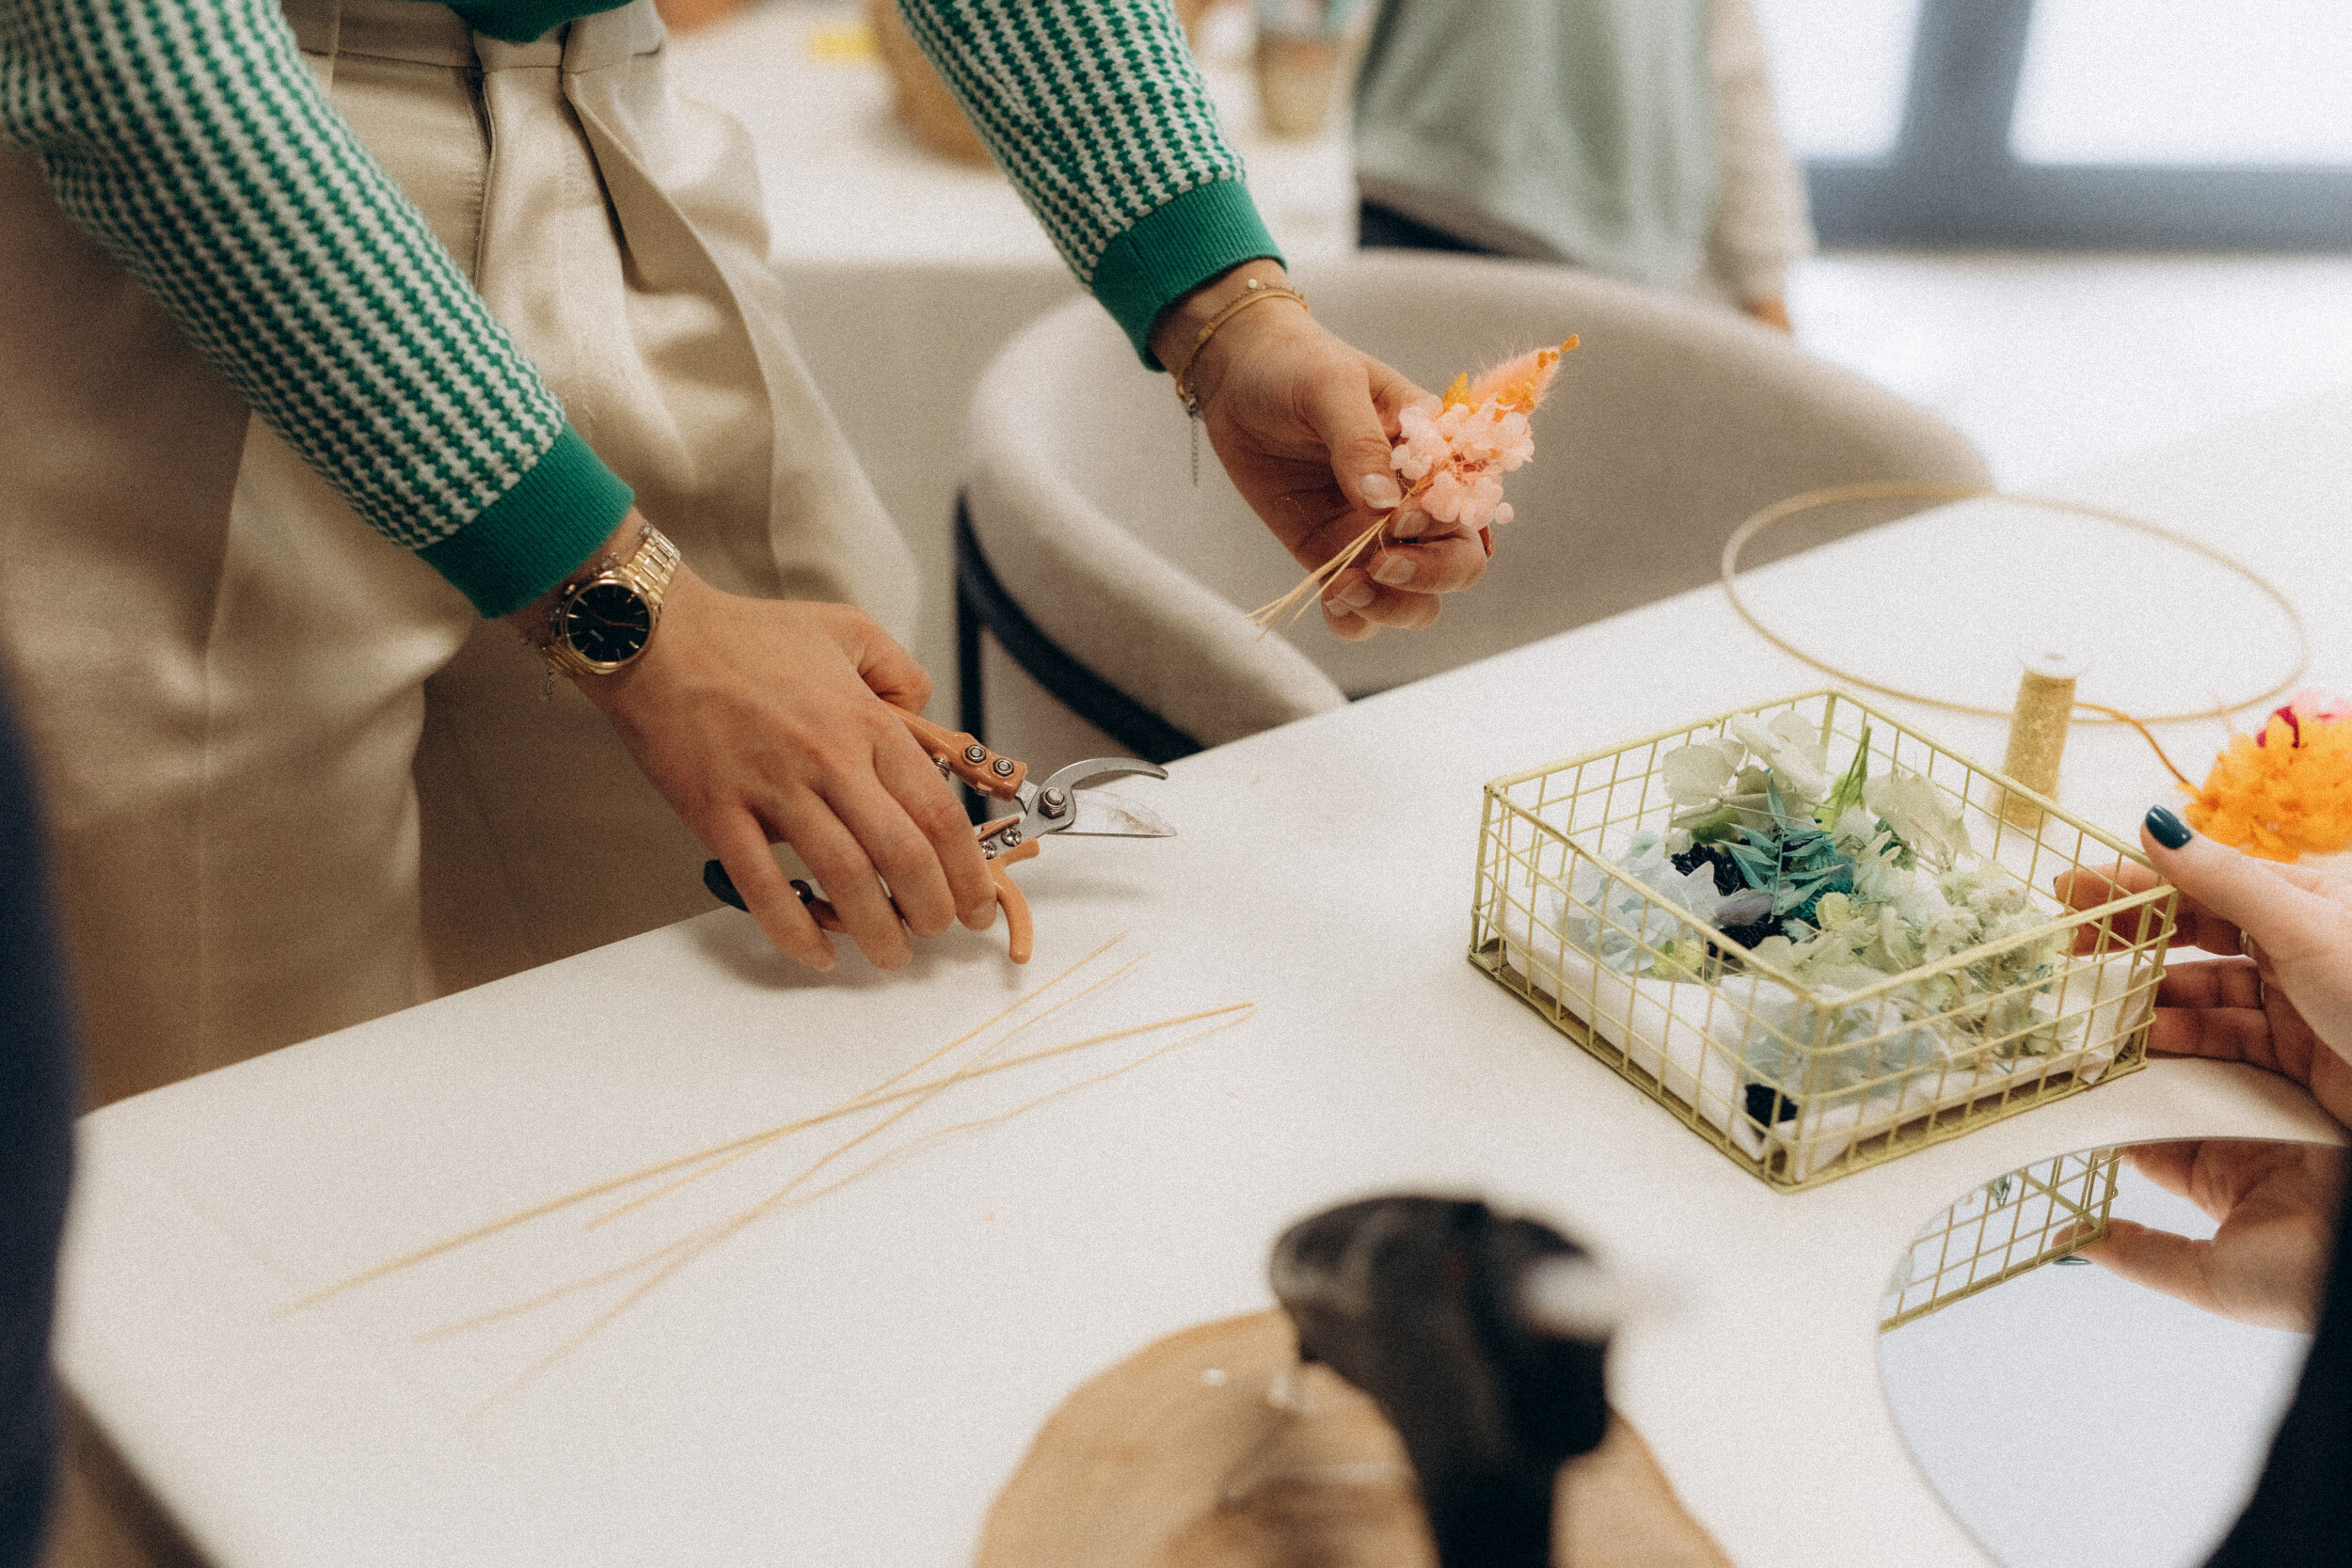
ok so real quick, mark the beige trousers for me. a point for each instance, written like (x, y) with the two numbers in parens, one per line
(294, 783)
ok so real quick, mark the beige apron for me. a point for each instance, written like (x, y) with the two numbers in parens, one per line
(294, 783)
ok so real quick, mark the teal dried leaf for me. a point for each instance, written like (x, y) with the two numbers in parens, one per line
(1792, 859)
(1759, 862)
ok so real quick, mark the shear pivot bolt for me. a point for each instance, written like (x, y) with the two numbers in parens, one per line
(1013, 838)
(1053, 802)
(975, 754)
(1002, 768)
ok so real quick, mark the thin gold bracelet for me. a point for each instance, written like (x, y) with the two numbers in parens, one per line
(1258, 291)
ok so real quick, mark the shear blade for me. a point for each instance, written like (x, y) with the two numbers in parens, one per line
(1103, 815)
(1080, 774)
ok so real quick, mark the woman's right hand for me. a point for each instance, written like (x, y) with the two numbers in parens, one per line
(2285, 1004)
(765, 722)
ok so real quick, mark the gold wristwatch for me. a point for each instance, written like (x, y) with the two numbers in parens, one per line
(603, 621)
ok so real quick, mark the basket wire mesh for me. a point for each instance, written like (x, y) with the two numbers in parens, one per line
(2011, 1225)
(1801, 1083)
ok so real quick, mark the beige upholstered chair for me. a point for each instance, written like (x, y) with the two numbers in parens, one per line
(1102, 590)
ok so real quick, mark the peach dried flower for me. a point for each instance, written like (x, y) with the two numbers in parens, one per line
(1448, 448)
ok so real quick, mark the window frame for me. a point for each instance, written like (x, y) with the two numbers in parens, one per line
(1952, 180)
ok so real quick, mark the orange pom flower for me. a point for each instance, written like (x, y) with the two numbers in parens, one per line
(2284, 793)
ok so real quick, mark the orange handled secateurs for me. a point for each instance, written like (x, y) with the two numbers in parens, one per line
(1055, 806)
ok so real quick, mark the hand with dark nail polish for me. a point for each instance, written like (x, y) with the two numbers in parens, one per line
(2285, 1001)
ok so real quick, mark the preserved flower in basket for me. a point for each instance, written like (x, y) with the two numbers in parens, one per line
(1810, 932)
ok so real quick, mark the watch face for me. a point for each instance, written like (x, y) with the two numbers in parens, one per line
(607, 623)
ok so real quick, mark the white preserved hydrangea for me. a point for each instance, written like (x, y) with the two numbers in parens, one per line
(1904, 894)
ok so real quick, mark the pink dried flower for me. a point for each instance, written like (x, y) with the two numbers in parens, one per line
(2310, 706)
(1449, 449)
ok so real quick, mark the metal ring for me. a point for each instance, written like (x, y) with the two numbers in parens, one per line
(1729, 574)
(2247, 948)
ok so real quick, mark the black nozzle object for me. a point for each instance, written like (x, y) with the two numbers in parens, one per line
(1418, 1302)
(721, 886)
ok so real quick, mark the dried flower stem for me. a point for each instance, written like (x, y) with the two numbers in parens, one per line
(872, 1098)
(1292, 605)
(879, 1095)
(694, 1244)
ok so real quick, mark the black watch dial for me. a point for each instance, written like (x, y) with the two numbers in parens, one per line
(607, 623)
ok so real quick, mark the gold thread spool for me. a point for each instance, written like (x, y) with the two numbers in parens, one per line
(2036, 730)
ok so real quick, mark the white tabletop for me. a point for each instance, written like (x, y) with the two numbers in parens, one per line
(850, 1383)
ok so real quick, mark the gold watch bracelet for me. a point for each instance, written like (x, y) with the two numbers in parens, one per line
(647, 564)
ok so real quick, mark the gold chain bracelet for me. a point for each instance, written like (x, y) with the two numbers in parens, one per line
(1257, 292)
(1258, 289)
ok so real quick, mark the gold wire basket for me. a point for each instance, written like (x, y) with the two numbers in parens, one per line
(1801, 1083)
(2012, 1224)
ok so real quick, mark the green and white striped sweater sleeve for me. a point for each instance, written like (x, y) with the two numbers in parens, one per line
(190, 138)
(1097, 111)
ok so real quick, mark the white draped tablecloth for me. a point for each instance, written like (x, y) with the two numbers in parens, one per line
(850, 1382)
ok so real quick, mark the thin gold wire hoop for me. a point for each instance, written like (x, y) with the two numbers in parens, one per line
(1892, 490)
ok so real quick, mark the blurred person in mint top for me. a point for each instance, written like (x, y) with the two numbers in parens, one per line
(1637, 137)
(335, 328)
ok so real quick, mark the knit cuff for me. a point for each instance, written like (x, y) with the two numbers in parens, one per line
(1172, 250)
(536, 534)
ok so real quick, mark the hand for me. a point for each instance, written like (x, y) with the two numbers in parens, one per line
(2267, 1263)
(1302, 423)
(2288, 1008)
(767, 721)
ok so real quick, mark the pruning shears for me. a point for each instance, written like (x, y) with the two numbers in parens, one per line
(1055, 806)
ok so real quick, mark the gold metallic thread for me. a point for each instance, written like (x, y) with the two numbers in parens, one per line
(2036, 736)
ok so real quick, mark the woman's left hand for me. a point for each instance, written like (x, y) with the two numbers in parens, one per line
(2288, 1005)
(1302, 423)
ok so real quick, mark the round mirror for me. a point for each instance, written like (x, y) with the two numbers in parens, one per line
(2114, 1414)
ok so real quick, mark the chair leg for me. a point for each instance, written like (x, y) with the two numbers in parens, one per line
(971, 702)
(982, 603)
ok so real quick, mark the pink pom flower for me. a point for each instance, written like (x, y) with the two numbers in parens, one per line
(2310, 706)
